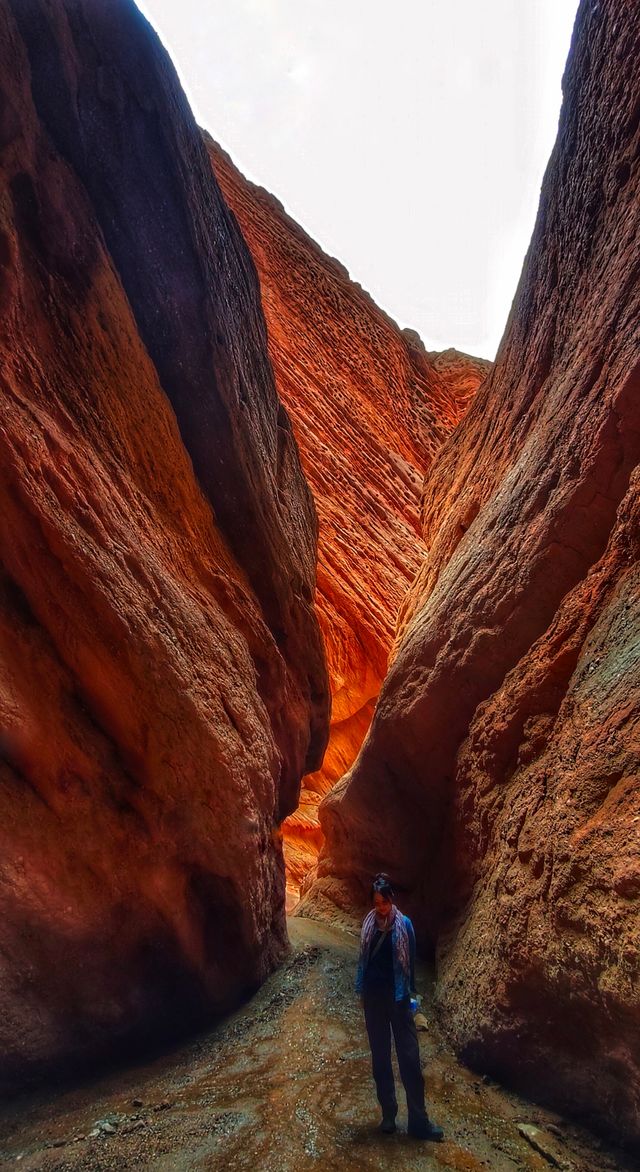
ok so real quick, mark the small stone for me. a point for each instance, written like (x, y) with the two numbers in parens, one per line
(137, 1103)
(541, 1143)
(138, 1125)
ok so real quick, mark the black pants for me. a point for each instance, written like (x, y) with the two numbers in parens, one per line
(382, 1014)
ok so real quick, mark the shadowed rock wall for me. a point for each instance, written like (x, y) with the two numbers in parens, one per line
(369, 408)
(499, 781)
(162, 680)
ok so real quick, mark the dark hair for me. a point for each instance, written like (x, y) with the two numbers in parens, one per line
(382, 885)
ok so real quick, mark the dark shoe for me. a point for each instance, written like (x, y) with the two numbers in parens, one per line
(388, 1125)
(426, 1130)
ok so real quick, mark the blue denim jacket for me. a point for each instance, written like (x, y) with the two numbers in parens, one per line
(403, 987)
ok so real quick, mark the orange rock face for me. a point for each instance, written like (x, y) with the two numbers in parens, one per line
(499, 782)
(369, 408)
(162, 681)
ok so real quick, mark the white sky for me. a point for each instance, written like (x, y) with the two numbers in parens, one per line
(409, 137)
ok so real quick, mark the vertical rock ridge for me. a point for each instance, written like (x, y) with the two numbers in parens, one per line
(109, 97)
(152, 729)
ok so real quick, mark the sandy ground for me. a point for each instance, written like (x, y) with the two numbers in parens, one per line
(284, 1084)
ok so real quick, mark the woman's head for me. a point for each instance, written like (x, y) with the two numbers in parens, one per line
(382, 894)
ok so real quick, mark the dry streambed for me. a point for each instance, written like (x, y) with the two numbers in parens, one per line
(285, 1084)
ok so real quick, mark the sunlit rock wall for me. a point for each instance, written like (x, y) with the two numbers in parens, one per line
(162, 681)
(500, 781)
(369, 408)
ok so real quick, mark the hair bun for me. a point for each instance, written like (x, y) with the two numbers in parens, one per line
(382, 884)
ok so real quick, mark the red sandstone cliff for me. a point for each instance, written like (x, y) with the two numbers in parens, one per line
(369, 408)
(162, 681)
(505, 748)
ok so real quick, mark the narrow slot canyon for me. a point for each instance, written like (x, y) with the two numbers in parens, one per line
(369, 409)
(287, 600)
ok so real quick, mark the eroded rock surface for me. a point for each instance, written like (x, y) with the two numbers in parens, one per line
(499, 782)
(162, 681)
(369, 408)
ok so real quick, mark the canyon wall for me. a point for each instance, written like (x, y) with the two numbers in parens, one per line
(162, 679)
(369, 408)
(499, 781)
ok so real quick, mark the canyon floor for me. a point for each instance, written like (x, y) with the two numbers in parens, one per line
(284, 1084)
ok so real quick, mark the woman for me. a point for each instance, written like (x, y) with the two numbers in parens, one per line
(386, 982)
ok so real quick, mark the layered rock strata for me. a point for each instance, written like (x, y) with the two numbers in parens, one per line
(499, 782)
(162, 680)
(369, 408)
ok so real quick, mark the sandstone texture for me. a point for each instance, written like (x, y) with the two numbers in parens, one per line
(162, 679)
(369, 409)
(462, 373)
(500, 781)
